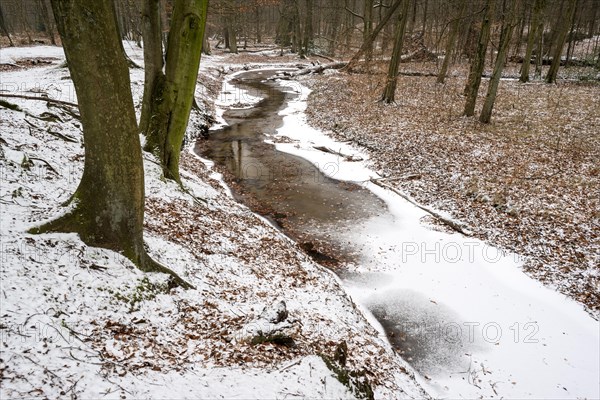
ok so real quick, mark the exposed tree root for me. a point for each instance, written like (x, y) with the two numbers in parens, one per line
(74, 222)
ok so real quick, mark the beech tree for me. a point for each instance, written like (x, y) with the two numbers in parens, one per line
(534, 28)
(392, 76)
(508, 24)
(168, 96)
(4, 28)
(563, 29)
(107, 209)
(454, 28)
(478, 62)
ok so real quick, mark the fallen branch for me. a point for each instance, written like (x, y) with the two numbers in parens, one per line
(312, 70)
(347, 157)
(63, 137)
(47, 99)
(452, 224)
(66, 109)
(45, 162)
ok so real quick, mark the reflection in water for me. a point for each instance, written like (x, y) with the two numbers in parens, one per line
(314, 208)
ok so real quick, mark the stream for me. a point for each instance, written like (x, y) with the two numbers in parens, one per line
(461, 313)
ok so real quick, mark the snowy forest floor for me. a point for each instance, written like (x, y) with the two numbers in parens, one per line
(84, 322)
(529, 182)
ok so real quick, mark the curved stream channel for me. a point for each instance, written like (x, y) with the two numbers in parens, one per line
(461, 313)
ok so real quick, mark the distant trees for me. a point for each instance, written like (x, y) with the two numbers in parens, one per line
(392, 76)
(561, 35)
(508, 24)
(535, 30)
(478, 61)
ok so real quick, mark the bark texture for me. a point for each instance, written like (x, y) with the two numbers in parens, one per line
(560, 41)
(478, 62)
(153, 56)
(392, 76)
(531, 39)
(108, 205)
(173, 93)
(505, 36)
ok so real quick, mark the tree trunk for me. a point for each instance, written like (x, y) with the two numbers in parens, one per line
(539, 51)
(454, 26)
(560, 41)
(4, 28)
(533, 31)
(231, 34)
(478, 62)
(369, 42)
(368, 28)
(507, 28)
(257, 24)
(173, 96)
(108, 205)
(571, 37)
(153, 57)
(297, 36)
(48, 21)
(206, 44)
(392, 77)
(308, 27)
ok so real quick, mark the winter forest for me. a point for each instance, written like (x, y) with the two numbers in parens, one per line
(289, 199)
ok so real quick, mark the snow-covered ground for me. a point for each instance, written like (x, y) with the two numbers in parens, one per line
(481, 327)
(84, 322)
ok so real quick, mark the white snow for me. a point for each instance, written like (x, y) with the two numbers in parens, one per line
(82, 321)
(487, 329)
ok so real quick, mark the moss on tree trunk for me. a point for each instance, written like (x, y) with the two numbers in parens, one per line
(173, 93)
(108, 205)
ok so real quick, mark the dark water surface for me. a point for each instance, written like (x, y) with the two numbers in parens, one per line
(319, 212)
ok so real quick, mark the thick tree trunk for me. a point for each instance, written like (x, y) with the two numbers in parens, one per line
(153, 57)
(507, 29)
(533, 31)
(560, 41)
(454, 27)
(389, 92)
(108, 206)
(173, 96)
(478, 62)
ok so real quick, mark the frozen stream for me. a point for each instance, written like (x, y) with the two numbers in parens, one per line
(460, 312)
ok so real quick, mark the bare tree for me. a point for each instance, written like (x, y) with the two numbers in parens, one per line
(563, 29)
(508, 24)
(478, 62)
(392, 77)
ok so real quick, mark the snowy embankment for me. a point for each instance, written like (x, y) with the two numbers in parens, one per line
(81, 321)
(482, 326)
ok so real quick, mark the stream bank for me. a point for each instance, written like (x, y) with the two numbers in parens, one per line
(461, 312)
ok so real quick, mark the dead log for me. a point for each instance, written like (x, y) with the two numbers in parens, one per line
(346, 157)
(317, 69)
(456, 226)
